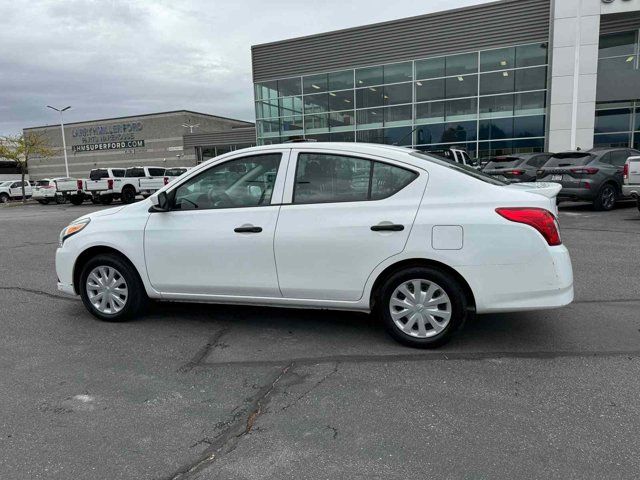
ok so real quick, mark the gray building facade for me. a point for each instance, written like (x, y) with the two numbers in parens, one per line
(155, 139)
(500, 77)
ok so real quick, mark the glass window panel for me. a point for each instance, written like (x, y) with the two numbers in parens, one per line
(432, 112)
(319, 137)
(398, 93)
(530, 55)
(316, 103)
(496, 128)
(266, 90)
(290, 124)
(531, 79)
(290, 106)
(430, 90)
(341, 100)
(496, 106)
(341, 120)
(427, 134)
(316, 123)
(370, 136)
(612, 140)
(369, 76)
(397, 136)
(612, 120)
(430, 68)
(497, 82)
(617, 44)
(340, 80)
(532, 126)
(637, 122)
(466, 109)
(459, 132)
(531, 103)
(245, 182)
(469, 147)
(396, 116)
(528, 145)
(343, 136)
(289, 86)
(461, 64)
(372, 117)
(462, 86)
(499, 59)
(369, 97)
(315, 83)
(389, 179)
(268, 128)
(398, 72)
(323, 178)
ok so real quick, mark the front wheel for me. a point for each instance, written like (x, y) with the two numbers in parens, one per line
(4, 198)
(43, 201)
(422, 307)
(606, 198)
(111, 289)
(61, 199)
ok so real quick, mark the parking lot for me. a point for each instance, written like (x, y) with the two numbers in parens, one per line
(223, 392)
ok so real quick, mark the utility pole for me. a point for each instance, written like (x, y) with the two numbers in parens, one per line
(64, 143)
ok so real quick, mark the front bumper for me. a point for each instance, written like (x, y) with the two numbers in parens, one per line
(66, 288)
(64, 270)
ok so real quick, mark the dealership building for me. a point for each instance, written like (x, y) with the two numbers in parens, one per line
(158, 139)
(500, 77)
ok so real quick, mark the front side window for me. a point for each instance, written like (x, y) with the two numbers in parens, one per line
(328, 178)
(244, 182)
(156, 172)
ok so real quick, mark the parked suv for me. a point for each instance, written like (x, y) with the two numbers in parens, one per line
(594, 175)
(521, 167)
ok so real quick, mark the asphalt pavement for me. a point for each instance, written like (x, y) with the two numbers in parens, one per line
(222, 392)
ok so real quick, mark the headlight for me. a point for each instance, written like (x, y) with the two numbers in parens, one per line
(72, 229)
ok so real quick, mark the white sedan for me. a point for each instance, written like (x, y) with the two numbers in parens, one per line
(420, 241)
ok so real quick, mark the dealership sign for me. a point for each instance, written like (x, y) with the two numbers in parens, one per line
(108, 146)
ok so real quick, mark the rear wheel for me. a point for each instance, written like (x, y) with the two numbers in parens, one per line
(128, 195)
(422, 307)
(60, 199)
(106, 199)
(111, 289)
(606, 198)
(638, 203)
(4, 198)
(76, 199)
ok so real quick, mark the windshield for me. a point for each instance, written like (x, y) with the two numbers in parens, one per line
(504, 162)
(569, 159)
(6, 184)
(472, 172)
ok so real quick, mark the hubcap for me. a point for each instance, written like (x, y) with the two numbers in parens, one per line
(107, 290)
(420, 308)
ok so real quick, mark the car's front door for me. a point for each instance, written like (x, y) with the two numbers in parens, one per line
(218, 237)
(342, 215)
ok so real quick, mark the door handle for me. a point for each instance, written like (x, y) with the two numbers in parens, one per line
(387, 228)
(248, 229)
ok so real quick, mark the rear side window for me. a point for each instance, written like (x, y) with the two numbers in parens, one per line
(118, 172)
(134, 172)
(98, 173)
(619, 157)
(156, 172)
(328, 178)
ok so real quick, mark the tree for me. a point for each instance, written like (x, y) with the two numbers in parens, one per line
(21, 148)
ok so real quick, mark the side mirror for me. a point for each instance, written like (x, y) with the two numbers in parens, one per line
(159, 202)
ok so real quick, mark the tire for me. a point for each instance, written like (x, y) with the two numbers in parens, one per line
(4, 198)
(123, 273)
(76, 199)
(44, 201)
(638, 203)
(106, 199)
(606, 198)
(61, 199)
(128, 195)
(443, 288)
(95, 200)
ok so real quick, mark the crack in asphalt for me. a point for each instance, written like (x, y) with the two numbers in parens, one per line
(315, 385)
(38, 292)
(227, 440)
(201, 354)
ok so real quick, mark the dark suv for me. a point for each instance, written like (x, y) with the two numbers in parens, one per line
(519, 167)
(594, 175)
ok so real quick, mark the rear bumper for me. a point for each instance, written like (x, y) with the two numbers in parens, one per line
(576, 194)
(540, 285)
(45, 194)
(631, 191)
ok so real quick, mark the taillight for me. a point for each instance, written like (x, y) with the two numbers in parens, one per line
(539, 218)
(166, 180)
(79, 184)
(587, 170)
(110, 184)
(625, 171)
(514, 172)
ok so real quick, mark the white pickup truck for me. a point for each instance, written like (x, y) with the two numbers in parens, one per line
(58, 190)
(12, 190)
(106, 184)
(631, 179)
(148, 186)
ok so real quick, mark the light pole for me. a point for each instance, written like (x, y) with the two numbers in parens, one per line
(64, 143)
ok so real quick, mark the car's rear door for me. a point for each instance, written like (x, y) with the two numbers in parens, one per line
(342, 215)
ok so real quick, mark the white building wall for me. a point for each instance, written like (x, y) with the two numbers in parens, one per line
(574, 69)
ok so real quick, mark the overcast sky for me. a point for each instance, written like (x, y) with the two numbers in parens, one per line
(113, 58)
